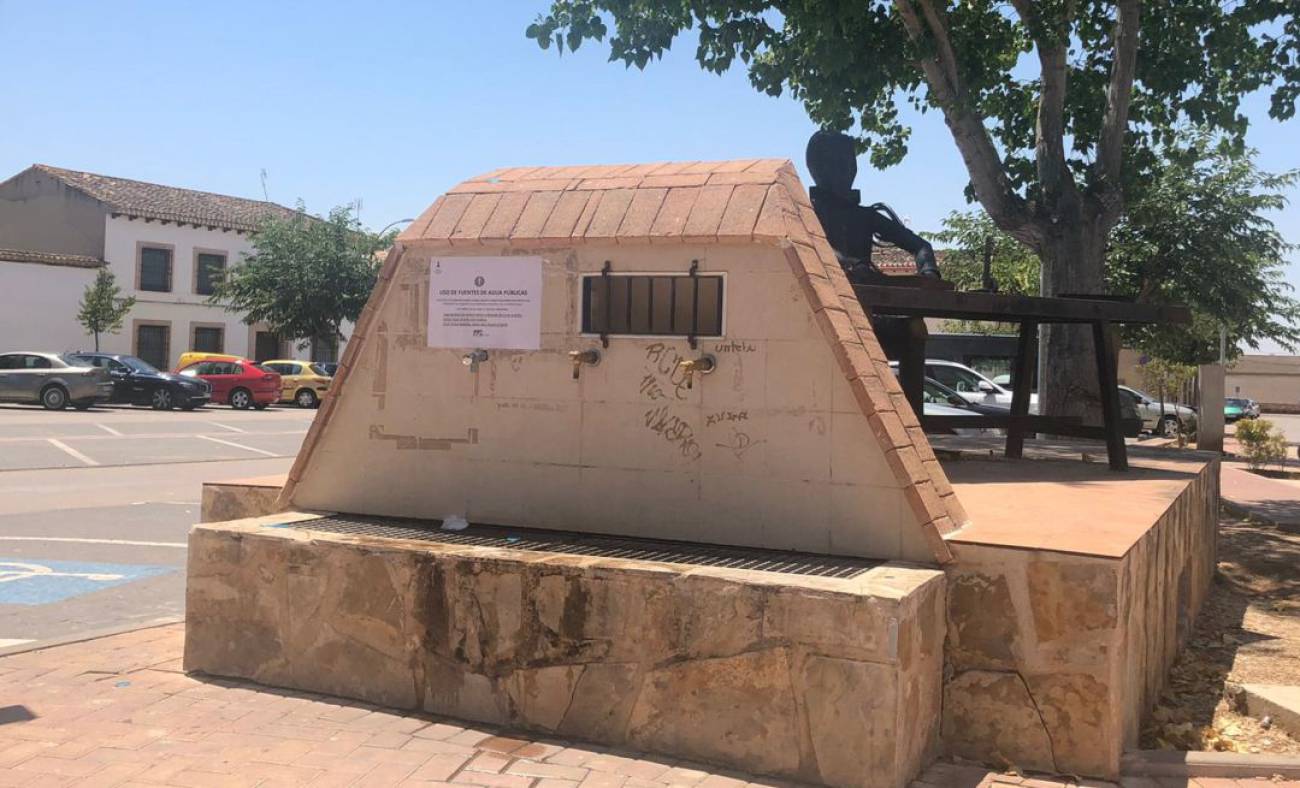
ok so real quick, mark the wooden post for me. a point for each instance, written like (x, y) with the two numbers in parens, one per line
(1021, 378)
(1103, 338)
(911, 365)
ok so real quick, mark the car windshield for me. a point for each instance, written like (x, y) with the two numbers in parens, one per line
(936, 392)
(320, 370)
(139, 365)
(1236, 403)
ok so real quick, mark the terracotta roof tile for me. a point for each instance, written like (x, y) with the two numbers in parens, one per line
(470, 227)
(170, 203)
(678, 179)
(448, 216)
(609, 214)
(742, 211)
(670, 222)
(536, 212)
(49, 258)
(641, 213)
(564, 217)
(706, 214)
(502, 221)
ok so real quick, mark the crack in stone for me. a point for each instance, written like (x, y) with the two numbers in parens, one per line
(1051, 745)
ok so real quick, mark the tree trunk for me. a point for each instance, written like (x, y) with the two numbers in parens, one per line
(96, 341)
(1072, 258)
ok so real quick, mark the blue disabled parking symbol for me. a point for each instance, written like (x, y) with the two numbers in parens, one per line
(28, 582)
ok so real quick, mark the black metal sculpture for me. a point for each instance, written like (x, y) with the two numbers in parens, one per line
(851, 228)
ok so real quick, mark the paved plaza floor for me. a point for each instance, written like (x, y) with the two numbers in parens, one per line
(118, 711)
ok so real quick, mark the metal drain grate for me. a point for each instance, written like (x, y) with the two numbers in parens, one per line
(569, 543)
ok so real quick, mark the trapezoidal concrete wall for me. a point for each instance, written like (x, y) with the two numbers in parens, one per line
(799, 439)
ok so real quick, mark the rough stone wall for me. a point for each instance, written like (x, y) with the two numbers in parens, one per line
(825, 680)
(1054, 658)
(1163, 585)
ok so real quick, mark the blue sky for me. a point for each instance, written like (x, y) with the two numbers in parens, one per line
(393, 102)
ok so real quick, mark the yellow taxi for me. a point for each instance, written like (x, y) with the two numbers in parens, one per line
(190, 356)
(301, 382)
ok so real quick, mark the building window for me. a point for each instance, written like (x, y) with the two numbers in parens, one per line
(266, 346)
(152, 344)
(156, 269)
(209, 267)
(325, 349)
(209, 339)
(659, 305)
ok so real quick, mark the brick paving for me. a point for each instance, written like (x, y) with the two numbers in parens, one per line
(118, 711)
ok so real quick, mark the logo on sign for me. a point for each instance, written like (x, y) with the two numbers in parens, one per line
(478, 281)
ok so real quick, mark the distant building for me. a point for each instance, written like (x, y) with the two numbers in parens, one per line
(164, 244)
(1272, 381)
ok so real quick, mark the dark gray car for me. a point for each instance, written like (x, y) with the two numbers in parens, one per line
(46, 379)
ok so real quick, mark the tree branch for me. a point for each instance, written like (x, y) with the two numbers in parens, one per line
(985, 166)
(1060, 192)
(1119, 95)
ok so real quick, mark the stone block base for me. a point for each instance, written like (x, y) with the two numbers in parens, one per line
(238, 499)
(828, 680)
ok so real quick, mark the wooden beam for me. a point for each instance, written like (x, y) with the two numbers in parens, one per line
(1021, 377)
(915, 302)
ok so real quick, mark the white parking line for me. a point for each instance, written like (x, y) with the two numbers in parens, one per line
(109, 430)
(7, 642)
(76, 540)
(58, 444)
(238, 445)
(226, 426)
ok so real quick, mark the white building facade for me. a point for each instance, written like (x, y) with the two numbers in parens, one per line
(166, 248)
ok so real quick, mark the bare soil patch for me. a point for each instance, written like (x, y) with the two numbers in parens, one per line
(1248, 632)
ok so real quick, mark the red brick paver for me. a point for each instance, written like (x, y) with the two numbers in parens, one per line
(118, 711)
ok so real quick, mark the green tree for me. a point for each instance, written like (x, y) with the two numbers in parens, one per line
(306, 276)
(1197, 232)
(1050, 105)
(103, 309)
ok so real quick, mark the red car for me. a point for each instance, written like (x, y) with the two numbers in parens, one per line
(238, 383)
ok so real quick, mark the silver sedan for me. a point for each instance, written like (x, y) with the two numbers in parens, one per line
(47, 379)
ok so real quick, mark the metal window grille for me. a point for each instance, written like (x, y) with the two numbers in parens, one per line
(156, 270)
(684, 305)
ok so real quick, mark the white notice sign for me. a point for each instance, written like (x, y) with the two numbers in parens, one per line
(485, 302)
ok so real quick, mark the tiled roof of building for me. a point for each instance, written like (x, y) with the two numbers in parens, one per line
(169, 203)
(754, 201)
(49, 258)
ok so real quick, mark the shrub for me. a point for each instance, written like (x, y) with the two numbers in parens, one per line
(1261, 442)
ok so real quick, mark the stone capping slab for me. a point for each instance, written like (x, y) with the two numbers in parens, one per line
(891, 580)
(1229, 765)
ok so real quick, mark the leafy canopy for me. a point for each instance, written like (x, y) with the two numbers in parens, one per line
(103, 309)
(1197, 232)
(305, 276)
(855, 63)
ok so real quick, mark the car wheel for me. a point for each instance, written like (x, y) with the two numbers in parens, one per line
(240, 399)
(305, 398)
(54, 397)
(1169, 426)
(161, 399)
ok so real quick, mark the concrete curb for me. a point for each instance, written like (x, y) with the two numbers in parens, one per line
(41, 645)
(1279, 701)
(1169, 763)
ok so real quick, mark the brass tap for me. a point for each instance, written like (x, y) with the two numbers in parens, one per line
(473, 359)
(702, 365)
(579, 357)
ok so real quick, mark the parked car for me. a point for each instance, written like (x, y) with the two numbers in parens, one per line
(971, 385)
(1240, 408)
(938, 393)
(240, 383)
(1162, 422)
(51, 381)
(190, 356)
(137, 382)
(301, 382)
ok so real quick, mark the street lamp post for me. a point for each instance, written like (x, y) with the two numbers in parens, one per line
(391, 225)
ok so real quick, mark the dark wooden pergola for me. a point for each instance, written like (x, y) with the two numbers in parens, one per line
(1100, 312)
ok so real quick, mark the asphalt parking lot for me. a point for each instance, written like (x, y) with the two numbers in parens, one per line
(95, 507)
